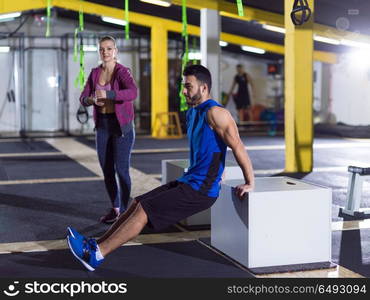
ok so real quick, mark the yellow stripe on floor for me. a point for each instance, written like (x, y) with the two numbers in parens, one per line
(30, 154)
(350, 225)
(49, 180)
(338, 272)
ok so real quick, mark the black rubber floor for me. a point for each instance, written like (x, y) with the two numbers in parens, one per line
(143, 142)
(344, 130)
(41, 167)
(264, 159)
(25, 146)
(34, 212)
(169, 260)
(151, 164)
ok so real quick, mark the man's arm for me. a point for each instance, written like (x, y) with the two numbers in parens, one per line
(221, 121)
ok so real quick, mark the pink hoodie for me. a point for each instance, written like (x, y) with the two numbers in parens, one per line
(123, 91)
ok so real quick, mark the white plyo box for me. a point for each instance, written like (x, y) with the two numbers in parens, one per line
(175, 168)
(283, 221)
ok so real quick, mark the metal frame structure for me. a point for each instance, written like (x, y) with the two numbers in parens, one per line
(354, 193)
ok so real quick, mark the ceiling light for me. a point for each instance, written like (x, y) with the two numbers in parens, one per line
(165, 3)
(10, 16)
(253, 49)
(355, 44)
(273, 28)
(4, 49)
(114, 21)
(223, 44)
(323, 39)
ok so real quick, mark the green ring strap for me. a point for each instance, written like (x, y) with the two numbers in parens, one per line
(48, 16)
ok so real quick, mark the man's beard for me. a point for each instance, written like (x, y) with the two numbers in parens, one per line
(194, 100)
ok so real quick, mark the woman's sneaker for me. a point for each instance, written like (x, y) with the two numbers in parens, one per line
(85, 250)
(110, 217)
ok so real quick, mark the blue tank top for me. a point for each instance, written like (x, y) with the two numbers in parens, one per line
(207, 152)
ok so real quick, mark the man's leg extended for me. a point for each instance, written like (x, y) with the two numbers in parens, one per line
(125, 231)
(153, 193)
(122, 218)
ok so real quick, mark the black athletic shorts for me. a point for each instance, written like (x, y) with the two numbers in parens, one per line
(171, 203)
(242, 101)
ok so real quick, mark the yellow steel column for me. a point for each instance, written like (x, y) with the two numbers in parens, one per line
(159, 81)
(298, 93)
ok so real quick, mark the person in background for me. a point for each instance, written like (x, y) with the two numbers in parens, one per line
(242, 98)
(111, 89)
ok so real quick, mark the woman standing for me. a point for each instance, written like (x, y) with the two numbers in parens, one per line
(111, 89)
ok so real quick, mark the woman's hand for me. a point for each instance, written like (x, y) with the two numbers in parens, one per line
(100, 98)
(96, 101)
(100, 94)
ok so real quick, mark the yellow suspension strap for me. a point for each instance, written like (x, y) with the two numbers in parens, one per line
(82, 113)
(239, 4)
(81, 19)
(75, 45)
(80, 79)
(127, 27)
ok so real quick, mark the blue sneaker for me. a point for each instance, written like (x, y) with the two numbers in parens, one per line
(85, 251)
(74, 233)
